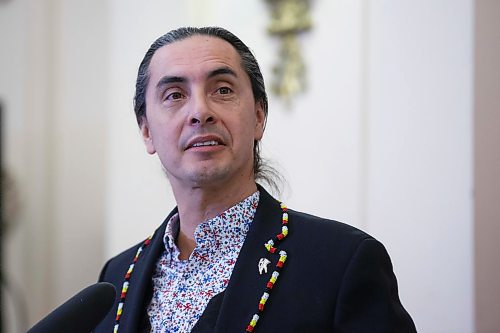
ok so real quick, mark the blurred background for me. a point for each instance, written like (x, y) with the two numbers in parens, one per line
(396, 131)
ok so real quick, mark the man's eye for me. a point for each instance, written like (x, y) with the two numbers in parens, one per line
(174, 96)
(224, 90)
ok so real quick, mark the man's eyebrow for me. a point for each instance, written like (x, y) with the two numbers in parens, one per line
(222, 71)
(167, 79)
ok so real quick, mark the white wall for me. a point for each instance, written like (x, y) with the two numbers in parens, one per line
(23, 89)
(78, 139)
(419, 190)
(53, 83)
(381, 139)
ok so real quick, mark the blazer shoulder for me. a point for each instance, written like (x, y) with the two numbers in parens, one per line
(315, 226)
(118, 264)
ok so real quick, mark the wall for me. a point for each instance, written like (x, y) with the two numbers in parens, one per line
(419, 189)
(54, 85)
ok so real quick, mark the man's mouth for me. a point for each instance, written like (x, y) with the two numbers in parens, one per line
(205, 143)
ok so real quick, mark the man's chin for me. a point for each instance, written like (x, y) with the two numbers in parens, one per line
(211, 177)
(203, 177)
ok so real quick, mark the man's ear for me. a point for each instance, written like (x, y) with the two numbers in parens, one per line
(260, 120)
(146, 136)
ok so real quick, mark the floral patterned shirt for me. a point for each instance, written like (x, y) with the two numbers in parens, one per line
(183, 288)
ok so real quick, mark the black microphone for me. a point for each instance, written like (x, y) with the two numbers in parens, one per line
(81, 313)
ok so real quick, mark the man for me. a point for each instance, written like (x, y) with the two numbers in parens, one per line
(230, 258)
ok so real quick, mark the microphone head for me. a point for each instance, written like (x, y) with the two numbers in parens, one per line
(81, 313)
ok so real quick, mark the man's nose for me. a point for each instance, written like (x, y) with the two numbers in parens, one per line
(201, 113)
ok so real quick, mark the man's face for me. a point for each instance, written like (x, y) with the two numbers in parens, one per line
(201, 117)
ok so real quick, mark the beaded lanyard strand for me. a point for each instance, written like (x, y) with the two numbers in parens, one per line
(271, 247)
(126, 283)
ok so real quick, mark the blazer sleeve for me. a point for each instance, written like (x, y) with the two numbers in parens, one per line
(368, 299)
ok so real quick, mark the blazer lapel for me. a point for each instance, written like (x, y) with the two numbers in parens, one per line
(140, 287)
(246, 285)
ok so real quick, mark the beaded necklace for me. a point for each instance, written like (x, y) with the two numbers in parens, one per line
(270, 247)
(126, 283)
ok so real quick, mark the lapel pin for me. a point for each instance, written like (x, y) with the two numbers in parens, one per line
(263, 262)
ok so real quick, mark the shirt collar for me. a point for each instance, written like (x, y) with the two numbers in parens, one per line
(222, 230)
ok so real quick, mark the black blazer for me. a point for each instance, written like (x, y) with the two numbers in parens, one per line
(336, 279)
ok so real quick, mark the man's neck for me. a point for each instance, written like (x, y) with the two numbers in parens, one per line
(198, 204)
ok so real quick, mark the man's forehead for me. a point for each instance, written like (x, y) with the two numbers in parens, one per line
(195, 52)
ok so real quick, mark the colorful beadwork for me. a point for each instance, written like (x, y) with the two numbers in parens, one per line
(126, 283)
(271, 247)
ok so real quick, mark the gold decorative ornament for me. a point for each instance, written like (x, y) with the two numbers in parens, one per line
(289, 18)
